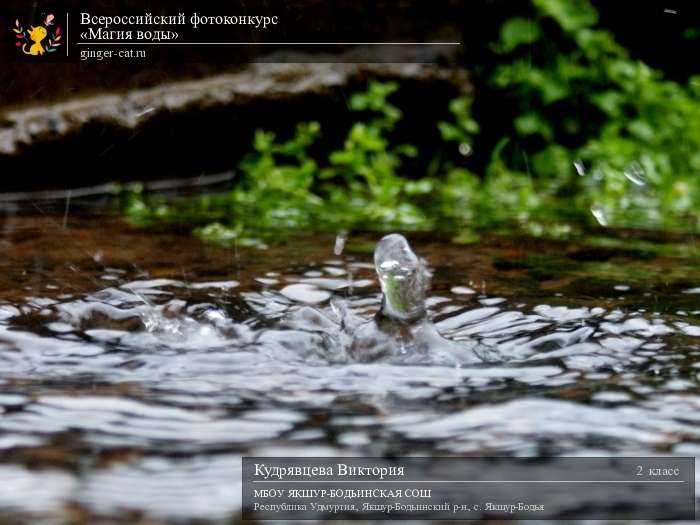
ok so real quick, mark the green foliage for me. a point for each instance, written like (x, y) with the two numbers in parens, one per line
(634, 136)
(518, 31)
(579, 133)
(368, 166)
(283, 186)
(278, 180)
(464, 128)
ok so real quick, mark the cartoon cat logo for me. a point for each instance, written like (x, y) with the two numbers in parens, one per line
(37, 40)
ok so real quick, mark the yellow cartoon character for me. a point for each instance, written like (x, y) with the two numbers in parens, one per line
(36, 34)
(40, 39)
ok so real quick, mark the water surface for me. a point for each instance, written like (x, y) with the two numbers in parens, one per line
(137, 367)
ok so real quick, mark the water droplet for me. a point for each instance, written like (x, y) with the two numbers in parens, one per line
(465, 149)
(402, 276)
(145, 111)
(599, 214)
(388, 265)
(635, 173)
(579, 167)
(340, 240)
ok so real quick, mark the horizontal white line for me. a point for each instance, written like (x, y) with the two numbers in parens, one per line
(270, 43)
(474, 481)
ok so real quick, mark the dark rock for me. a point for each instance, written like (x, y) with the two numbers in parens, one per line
(199, 126)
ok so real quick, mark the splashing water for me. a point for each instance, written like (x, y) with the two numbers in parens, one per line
(465, 149)
(133, 383)
(599, 214)
(340, 241)
(635, 173)
(403, 278)
(400, 332)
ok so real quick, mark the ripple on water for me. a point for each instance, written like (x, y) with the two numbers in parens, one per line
(205, 487)
(213, 370)
(563, 426)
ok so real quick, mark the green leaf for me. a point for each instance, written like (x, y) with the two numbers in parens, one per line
(571, 15)
(533, 124)
(518, 31)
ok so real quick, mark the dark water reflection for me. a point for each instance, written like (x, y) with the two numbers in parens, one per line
(137, 368)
